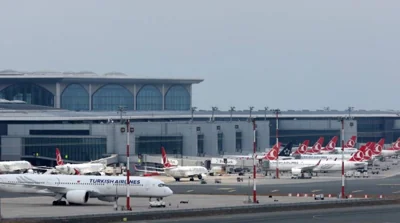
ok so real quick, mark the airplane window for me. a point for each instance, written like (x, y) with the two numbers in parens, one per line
(161, 185)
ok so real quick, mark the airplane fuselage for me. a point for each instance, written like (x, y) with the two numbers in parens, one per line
(82, 168)
(325, 165)
(101, 186)
(13, 166)
(186, 171)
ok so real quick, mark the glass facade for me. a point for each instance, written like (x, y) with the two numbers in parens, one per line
(75, 98)
(78, 149)
(239, 141)
(110, 97)
(177, 98)
(30, 93)
(200, 144)
(152, 145)
(220, 143)
(149, 98)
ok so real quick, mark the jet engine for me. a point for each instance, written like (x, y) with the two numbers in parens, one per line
(108, 199)
(296, 171)
(202, 176)
(77, 196)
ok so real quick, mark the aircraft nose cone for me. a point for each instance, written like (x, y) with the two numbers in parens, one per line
(168, 191)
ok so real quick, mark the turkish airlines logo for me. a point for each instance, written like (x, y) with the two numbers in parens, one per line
(272, 155)
(351, 143)
(58, 159)
(397, 145)
(317, 147)
(359, 156)
(331, 145)
(378, 149)
(368, 154)
(303, 149)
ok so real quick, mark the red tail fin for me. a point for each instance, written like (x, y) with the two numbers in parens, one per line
(164, 158)
(59, 160)
(367, 152)
(302, 148)
(318, 145)
(357, 156)
(273, 153)
(331, 144)
(378, 147)
(351, 143)
(397, 144)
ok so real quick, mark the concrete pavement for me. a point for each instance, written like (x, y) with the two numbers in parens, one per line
(386, 213)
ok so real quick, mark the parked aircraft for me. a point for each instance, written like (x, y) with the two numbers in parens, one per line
(78, 169)
(178, 172)
(297, 166)
(78, 189)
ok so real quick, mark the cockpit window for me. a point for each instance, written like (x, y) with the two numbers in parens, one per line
(161, 185)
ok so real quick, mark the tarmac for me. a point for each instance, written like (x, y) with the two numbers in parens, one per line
(386, 183)
(42, 206)
(375, 214)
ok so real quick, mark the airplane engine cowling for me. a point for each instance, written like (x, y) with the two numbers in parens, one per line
(296, 171)
(77, 196)
(108, 199)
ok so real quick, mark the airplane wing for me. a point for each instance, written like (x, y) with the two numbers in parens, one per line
(150, 171)
(308, 168)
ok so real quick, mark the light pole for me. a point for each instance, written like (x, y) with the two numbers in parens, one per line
(277, 112)
(254, 161)
(251, 109)
(193, 109)
(265, 113)
(128, 128)
(350, 109)
(231, 110)
(213, 110)
(121, 110)
(341, 119)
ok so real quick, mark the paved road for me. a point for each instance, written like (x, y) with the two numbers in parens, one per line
(385, 186)
(387, 214)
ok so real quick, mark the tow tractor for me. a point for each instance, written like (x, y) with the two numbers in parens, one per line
(157, 204)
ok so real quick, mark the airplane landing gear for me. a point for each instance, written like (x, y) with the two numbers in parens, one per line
(191, 179)
(177, 179)
(59, 203)
(200, 177)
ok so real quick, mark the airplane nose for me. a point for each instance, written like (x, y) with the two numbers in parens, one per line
(168, 191)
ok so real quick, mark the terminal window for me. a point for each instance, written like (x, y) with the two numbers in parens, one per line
(78, 149)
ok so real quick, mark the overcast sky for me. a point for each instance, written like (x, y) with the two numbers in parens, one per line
(281, 54)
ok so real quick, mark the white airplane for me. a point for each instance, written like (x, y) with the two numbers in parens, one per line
(179, 172)
(78, 189)
(78, 169)
(19, 166)
(297, 166)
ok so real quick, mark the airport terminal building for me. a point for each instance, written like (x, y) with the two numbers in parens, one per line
(80, 113)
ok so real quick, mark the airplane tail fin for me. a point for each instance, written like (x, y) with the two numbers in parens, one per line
(357, 156)
(351, 143)
(59, 160)
(318, 145)
(164, 158)
(287, 150)
(377, 149)
(332, 144)
(367, 152)
(303, 147)
(273, 153)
